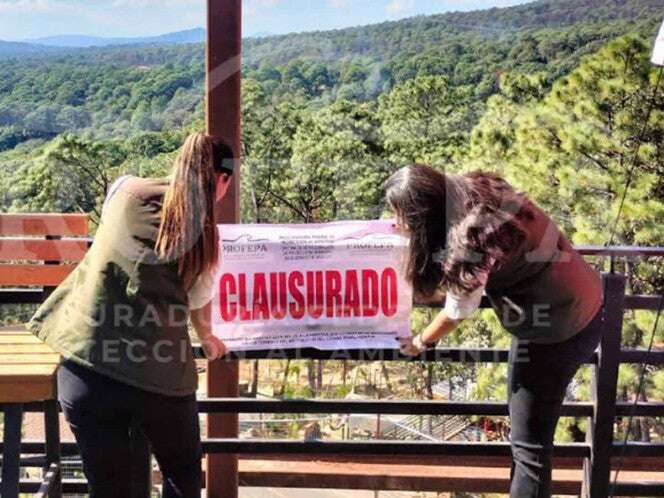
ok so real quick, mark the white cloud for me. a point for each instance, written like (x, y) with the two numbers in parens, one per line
(26, 5)
(396, 7)
(339, 4)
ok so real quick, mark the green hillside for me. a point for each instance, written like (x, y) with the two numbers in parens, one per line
(122, 90)
(423, 33)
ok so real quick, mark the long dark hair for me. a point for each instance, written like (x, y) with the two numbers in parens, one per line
(456, 223)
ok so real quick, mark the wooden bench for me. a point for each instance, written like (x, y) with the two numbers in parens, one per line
(37, 252)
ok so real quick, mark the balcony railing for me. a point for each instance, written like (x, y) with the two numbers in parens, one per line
(596, 454)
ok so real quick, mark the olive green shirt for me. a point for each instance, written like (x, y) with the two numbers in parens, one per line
(123, 311)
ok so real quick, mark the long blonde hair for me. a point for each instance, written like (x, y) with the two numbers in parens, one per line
(188, 231)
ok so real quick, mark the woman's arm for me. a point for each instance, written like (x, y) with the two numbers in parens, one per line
(457, 308)
(434, 332)
(442, 325)
(200, 305)
(201, 318)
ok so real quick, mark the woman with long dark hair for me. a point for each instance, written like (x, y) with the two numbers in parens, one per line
(473, 234)
(120, 322)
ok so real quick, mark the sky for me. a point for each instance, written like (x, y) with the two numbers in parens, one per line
(26, 19)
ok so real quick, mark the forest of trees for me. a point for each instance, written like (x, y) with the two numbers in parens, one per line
(553, 95)
(122, 90)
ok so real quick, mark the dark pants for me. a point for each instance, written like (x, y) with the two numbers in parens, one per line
(538, 378)
(100, 412)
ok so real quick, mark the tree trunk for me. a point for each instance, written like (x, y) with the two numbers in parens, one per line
(284, 381)
(386, 376)
(636, 430)
(311, 377)
(429, 381)
(356, 377)
(344, 371)
(644, 424)
(319, 377)
(254, 379)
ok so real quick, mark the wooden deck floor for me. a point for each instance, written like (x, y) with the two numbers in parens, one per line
(405, 477)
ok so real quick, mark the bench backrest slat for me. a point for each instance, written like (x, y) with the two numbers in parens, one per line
(33, 251)
(38, 224)
(41, 275)
(42, 250)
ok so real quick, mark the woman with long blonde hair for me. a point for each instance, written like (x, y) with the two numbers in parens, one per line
(120, 322)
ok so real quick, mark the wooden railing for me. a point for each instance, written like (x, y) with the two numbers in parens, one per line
(598, 453)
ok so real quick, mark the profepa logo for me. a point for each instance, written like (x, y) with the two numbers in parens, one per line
(244, 244)
(245, 248)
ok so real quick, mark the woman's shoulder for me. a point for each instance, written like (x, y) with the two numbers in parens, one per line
(130, 180)
(115, 187)
(145, 188)
(117, 183)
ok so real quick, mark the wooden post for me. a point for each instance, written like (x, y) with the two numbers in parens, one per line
(600, 434)
(224, 41)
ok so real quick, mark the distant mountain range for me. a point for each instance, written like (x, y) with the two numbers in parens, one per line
(491, 22)
(63, 42)
(19, 48)
(196, 35)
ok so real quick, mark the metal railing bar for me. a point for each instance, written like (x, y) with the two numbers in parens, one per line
(634, 448)
(69, 486)
(379, 447)
(642, 488)
(373, 407)
(30, 461)
(458, 355)
(642, 302)
(392, 407)
(620, 251)
(642, 356)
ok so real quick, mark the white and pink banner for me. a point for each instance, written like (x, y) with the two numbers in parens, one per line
(326, 286)
(658, 51)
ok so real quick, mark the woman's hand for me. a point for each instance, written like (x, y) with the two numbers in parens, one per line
(411, 346)
(213, 347)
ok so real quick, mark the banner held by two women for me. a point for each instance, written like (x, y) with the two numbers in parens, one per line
(326, 286)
